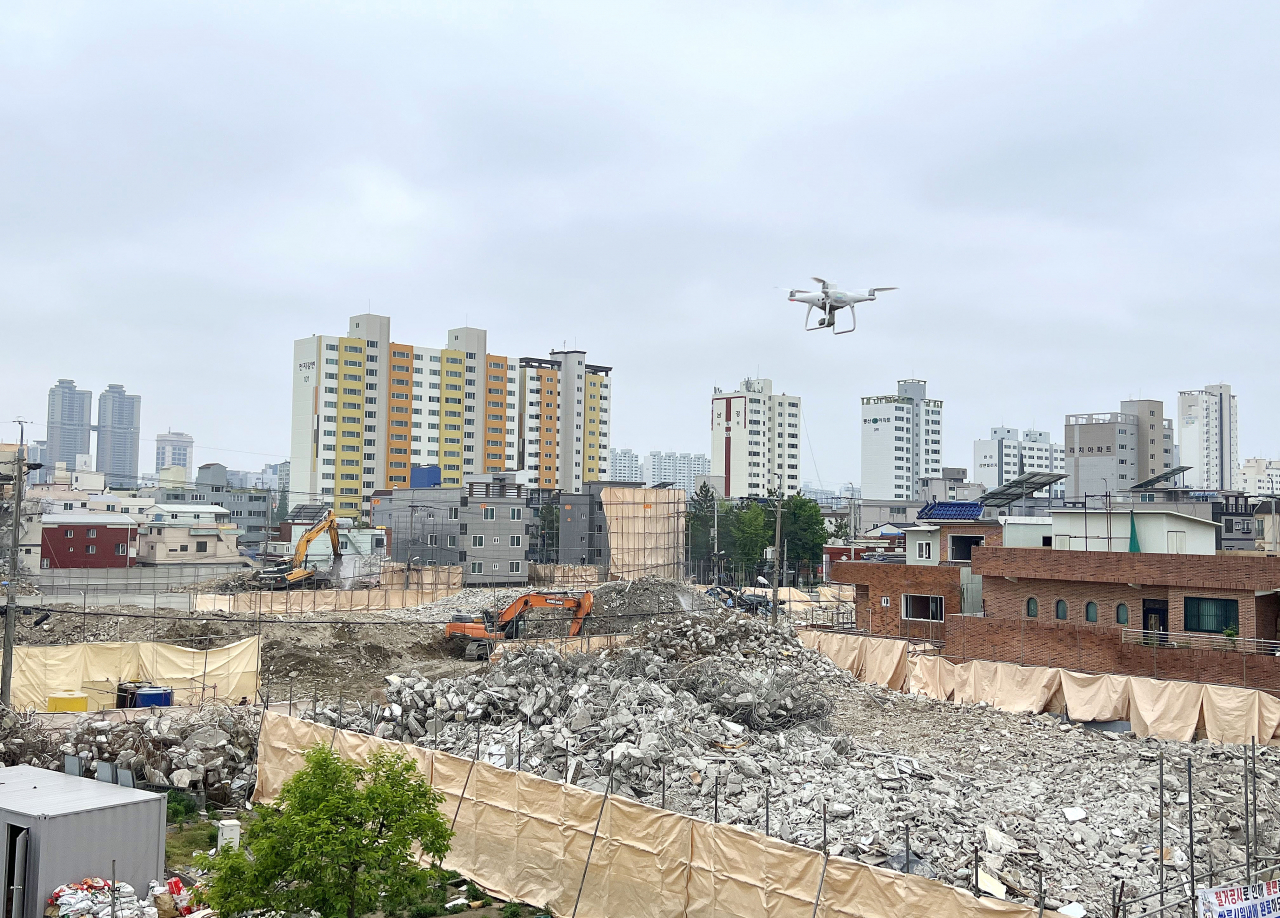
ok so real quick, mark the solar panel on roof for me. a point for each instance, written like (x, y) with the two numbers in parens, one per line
(950, 510)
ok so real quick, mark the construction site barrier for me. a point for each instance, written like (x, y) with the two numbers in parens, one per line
(97, 669)
(1154, 707)
(564, 576)
(646, 531)
(564, 646)
(380, 599)
(574, 851)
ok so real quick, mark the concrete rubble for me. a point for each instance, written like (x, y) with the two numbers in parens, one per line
(211, 750)
(739, 714)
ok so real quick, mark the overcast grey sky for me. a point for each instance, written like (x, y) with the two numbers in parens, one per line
(1078, 202)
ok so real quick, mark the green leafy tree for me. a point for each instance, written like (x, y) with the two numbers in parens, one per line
(840, 531)
(702, 520)
(341, 838)
(803, 528)
(752, 531)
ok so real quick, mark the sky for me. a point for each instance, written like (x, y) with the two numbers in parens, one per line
(1078, 203)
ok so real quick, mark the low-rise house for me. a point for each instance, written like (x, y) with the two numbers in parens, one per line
(177, 533)
(86, 539)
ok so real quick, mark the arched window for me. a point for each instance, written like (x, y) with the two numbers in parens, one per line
(1091, 612)
(1122, 614)
(1033, 607)
(1060, 610)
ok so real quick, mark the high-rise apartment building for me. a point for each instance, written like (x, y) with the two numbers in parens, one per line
(70, 420)
(682, 469)
(624, 465)
(1209, 438)
(1010, 453)
(564, 419)
(755, 440)
(118, 427)
(901, 442)
(1113, 451)
(367, 410)
(174, 448)
(1260, 476)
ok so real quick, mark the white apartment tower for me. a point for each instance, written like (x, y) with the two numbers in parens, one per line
(1010, 453)
(755, 440)
(901, 442)
(1260, 476)
(682, 469)
(1209, 438)
(624, 465)
(174, 448)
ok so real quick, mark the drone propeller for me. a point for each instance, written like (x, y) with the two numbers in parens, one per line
(825, 285)
(874, 290)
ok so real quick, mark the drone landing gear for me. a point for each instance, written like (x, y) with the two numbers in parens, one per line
(828, 320)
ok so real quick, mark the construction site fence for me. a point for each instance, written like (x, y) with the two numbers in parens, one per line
(96, 669)
(378, 599)
(573, 851)
(1154, 707)
(595, 643)
(563, 576)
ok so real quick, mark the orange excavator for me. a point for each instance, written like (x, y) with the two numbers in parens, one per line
(482, 631)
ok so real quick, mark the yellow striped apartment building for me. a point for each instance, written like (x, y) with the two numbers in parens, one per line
(368, 410)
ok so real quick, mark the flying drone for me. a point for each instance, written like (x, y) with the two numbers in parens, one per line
(831, 301)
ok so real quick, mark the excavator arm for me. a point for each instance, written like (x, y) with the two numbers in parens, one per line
(298, 570)
(506, 625)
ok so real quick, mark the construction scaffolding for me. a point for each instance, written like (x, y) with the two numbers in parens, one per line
(646, 534)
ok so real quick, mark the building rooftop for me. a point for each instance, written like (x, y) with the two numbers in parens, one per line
(100, 518)
(40, 792)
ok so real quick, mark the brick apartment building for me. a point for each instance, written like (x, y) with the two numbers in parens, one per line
(79, 540)
(1197, 616)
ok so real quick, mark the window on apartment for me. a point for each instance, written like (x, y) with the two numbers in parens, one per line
(92, 533)
(182, 548)
(477, 567)
(477, 541)
(924, 550)
(513, 567)
(515, 541)
(1212, 616)
(1060, 610)
(91, 550)
(517, 512)
(70, 534)
(122, 549)
(1122, 614)
(1033, 607)
(490, 513)
(1091, 612)
(202, 546)
(453, 513)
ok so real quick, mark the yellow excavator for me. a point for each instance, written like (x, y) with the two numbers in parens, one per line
(294, 573)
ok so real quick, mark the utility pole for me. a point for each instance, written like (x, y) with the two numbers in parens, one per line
(11, 604)
(777, 553)
(715, 537)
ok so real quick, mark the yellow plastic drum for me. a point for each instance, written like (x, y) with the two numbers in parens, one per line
(68, 701)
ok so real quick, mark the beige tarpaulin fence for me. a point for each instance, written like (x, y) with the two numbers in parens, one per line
(524, 838)
(564, 576)
(378, 599)
(1155, 707)
(96, 669)
(646, 532)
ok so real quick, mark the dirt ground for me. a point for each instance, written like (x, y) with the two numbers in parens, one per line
(329, 653)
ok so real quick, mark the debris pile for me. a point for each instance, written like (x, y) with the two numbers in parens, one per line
(741, 720)
(687, 686)
(213, 749)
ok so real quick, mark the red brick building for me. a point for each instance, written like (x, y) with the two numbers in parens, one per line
(1144, 614)
(77, 540)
